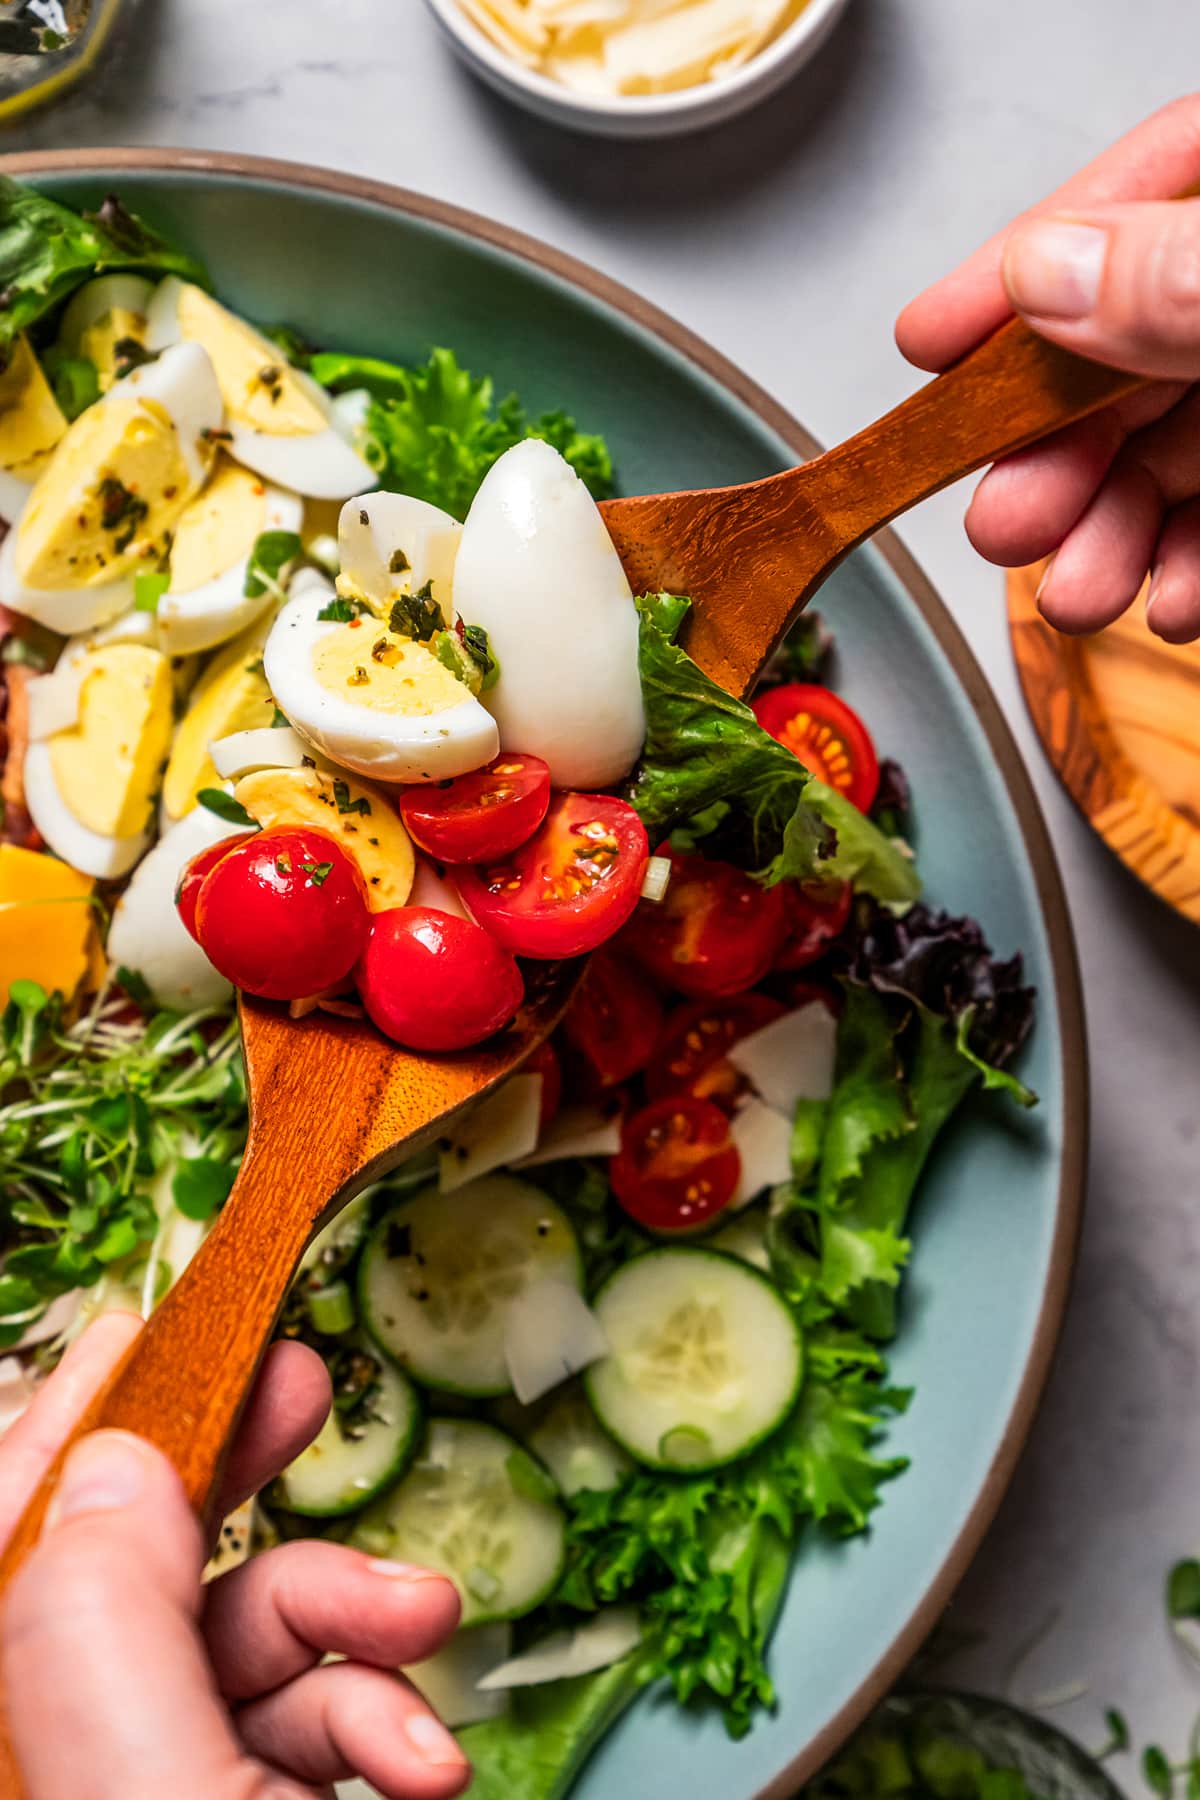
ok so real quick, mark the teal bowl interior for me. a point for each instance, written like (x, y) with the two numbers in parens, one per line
(365, 268)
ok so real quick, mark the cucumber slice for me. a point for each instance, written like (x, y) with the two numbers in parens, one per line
(575, 1448)
(479, 1509)
(705, 1358)
(334, 1247)
(362, 1448)
(440, 1271)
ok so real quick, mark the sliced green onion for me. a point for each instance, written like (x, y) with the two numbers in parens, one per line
(331, 1309)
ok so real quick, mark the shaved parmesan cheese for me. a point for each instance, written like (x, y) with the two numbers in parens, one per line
(450, 1680)
(604, 48)
(763, 1139)
(576, 1131)
(500, 1129)
(790, 1059)
(550, 1334)
(266, 747)
(657, 878)
(603, 1640)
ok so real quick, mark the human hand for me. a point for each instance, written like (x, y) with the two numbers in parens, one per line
(123, 1677)
(1109, 266)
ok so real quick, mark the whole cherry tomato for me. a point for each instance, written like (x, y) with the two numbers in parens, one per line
(478, 817)
(692, 1052)
(187, 888)
(436, 982)
(284, 914)
(613, 1020)
(677, 1166)
(570, 887)
(827, 735)
(716, 931)
(816, 917)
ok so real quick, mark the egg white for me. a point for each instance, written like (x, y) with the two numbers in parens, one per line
(91, 852)
(182, 383)
(91, 302)
(537, 569)
(373, 527)
(199, 618)
(320, 464)
(384, 747)
(148, 936)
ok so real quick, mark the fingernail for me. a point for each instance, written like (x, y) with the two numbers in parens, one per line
(1152, 596)
(433, 1743)
(1041, 586)
(1053, 268)
(101, 1474)
(400, 1571)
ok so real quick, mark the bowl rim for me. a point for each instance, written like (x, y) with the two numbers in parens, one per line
(765, 65)
(1073, 1051)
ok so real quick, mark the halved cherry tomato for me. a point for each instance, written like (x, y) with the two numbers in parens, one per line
(187, 888)
(692, 1052)
(715, 932)
(284, 914)
(544, 1062)
(436, 982)
(827, 735)
(570, 887)
(677, 1166)
(614, 1020)
(816, 916)
(479, 817)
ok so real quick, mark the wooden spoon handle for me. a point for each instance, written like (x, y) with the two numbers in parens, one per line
(212, 1329)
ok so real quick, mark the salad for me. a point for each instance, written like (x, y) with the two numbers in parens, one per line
(323, 681)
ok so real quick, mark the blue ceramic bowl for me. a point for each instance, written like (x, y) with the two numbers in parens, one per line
(359, 265)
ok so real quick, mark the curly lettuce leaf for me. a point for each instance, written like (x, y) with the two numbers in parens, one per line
(706, 754)
(47, 251)
(435, 431)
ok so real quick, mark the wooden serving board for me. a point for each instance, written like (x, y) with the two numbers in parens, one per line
(1119, 717)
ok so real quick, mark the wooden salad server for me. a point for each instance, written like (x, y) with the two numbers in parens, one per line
(333, 1106)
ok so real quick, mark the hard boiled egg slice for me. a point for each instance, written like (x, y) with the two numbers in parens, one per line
(361, 817)
(393, 544)
(207, 602)
(231, 696)
(110, 496)
(377, 703)
(90, 788)
(281, 423)
(538, 571)
(105, 323)
(148, 936)
(31, 424)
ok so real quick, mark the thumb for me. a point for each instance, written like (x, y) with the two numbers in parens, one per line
(108, 1690)
(1120, 284)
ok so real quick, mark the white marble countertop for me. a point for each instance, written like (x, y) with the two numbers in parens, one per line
(790, 240)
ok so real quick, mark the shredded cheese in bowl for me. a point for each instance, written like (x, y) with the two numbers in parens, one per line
(608, 48)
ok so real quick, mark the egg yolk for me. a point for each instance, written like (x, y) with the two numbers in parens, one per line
(372, 667)
(108, 498)
(218, 528)
(31, 421)
(259, 388)
(99, 342)
(108, 765)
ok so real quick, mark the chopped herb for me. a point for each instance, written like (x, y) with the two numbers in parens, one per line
(340, 610)
(284, 864)
(417, 615)
(134, 985)
(318, 873)
(130, 354)
(398, 563)
(121, 511)
(343, 802)
(149, 586)
(360, 678)
(477, 642)
(227, 808)
(272, 552)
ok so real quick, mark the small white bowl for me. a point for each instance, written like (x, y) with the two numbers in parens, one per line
(642, 115)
